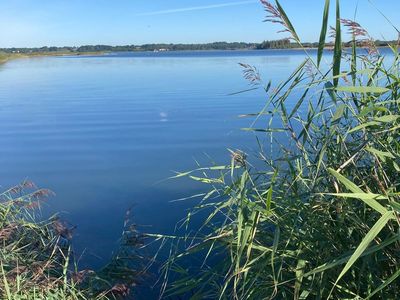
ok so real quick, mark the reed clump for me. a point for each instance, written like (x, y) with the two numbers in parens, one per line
(316, 213)
(37, 259)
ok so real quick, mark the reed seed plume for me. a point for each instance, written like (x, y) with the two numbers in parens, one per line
(332, 32)
(121, 290)
(310, 68)
(238, 158)
(7, 231)
(360, 35)
(63, 229)
(25, 185)
(251, 74)
(275, 14)
(354, 28)
(42, 193)
(80, 276)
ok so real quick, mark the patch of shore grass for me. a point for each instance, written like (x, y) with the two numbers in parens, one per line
(5, 57)
(37, 257)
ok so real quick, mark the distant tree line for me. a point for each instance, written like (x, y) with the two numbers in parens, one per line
(274, 44)
(287, 44)
(146, 47)
(208, 46)
(277, 44)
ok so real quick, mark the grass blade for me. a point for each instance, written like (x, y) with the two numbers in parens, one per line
(371, 235)
(368, 199)
(324, 29)
(385, 284)
(363, 89)
(337, 54)
(287, 21)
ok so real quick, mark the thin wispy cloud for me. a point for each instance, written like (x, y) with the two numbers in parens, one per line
(205, 7)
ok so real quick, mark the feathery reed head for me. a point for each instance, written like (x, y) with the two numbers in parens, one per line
(251, 74)
(275, 14)
(354, 28)
(360, 35)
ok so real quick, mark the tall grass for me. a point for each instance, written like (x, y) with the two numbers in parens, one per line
(37, 258)
(316, 216)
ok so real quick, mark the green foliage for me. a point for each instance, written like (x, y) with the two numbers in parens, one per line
(274, 44)
(278, 44)
(318, 215)
(124, 48)
(324, 30)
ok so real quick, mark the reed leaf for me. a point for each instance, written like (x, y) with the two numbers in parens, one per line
(287, 21)
(368, 199)
(362, 89)
(385, 284)
(324, 29)
(371, 235)
(337, 53)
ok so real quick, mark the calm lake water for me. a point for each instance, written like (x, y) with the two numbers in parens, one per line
(103, 132)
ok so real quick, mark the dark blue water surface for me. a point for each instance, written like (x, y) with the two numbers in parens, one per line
(102, 132)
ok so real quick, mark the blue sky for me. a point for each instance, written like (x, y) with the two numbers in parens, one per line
(29, 23)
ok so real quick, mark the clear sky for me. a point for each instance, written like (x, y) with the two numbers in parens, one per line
(31, 23)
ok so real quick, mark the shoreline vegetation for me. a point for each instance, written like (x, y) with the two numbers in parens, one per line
(314, 211)
(37, 259)
(7, 54)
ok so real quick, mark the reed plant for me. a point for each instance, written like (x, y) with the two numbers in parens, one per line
(315, 214)
(37, 258)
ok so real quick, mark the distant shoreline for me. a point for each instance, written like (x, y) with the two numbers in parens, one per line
(6, 57)
(276, 45)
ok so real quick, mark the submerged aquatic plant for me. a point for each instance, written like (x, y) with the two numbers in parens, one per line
(318, 215)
